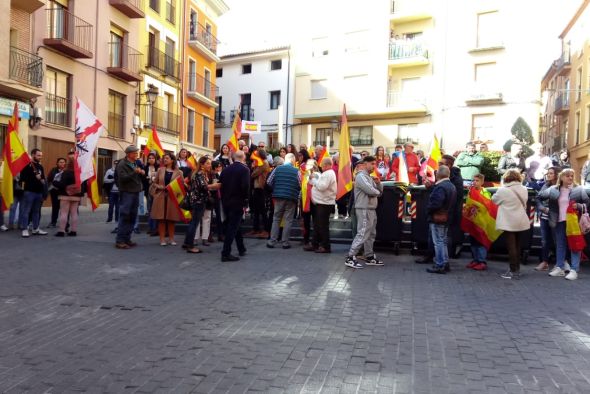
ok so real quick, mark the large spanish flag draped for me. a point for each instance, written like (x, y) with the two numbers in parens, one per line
(236, 129)
(324, 154)
(92, 186)
(14, 157)
(575, 239)
(177, 193)
(305, 188)
(479, 217)
(345, 158)
(431, 163)
(256, 159)
(153, 143)
(88, 132)
(192, 162)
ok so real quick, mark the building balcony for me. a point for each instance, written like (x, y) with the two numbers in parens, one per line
(245, 114)
(29, 6)
(219, 118)
(484, 95)
(164, 121)
(68, 34)
(407, 54)
(403, 11)
(201, 89)
(57, 110)
(406, 103)
(130, 8)
(563, 64)
(124, 62)
(201, 39)
(163, 63)
(562, 104)
(356, 142)
(25, 75)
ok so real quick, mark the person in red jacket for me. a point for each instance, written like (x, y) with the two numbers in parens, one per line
(412, 163)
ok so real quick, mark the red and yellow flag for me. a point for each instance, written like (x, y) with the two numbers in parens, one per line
(92, 186)
(479, 217)
(256, 159)
(177, 193)
(192, 162)
(14, 157)
(431, 164)
(306, 191)
(236, 129)
(153, 143)
(324, 154)
(345, 158)
(575, 238)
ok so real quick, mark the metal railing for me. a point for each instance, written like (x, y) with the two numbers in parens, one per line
(26, 67)
(163, 62)
(116, 125)
(139, 4)
(401, 49)
(361, 141)
(201, 34)
(124, 56)
(64, 25)
(57, 110)
(323, 142)
(199, 84)
(402, 140)
(219, 117)
(245, 114)
(165, 121)
(403, 99)
(562, 102)
(170, 12)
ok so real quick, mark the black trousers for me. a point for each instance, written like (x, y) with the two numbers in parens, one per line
(54, 206)
(258, 210)
(321, 225)
(233, 221)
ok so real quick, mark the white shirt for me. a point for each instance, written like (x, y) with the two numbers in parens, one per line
(324, 188)
(536, 166)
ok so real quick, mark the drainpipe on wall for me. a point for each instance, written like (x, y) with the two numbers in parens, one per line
(287, 124)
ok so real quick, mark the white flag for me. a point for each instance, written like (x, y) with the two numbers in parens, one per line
(88, 131)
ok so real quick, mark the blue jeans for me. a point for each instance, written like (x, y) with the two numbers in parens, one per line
(113, 206)
(142, 203)
(15, 209)
(31, 206)
(197, 215)
(562, 248)
(478, 251)
(439, 239)
(128, 206)
(233, 220)
(153, 224)
(547, 240)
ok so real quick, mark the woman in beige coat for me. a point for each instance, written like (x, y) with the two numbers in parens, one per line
(163, 208)
(512, 217)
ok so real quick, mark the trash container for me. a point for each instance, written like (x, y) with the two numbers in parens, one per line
(419, 217)
(390, 213)
(527, 236)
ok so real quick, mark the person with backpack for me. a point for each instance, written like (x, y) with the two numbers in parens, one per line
(110, 188)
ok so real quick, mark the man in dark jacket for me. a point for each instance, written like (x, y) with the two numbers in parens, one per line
(442, 200)
(235, 189)
(35, 191)
(129, 178)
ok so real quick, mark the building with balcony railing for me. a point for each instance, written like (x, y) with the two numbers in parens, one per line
(131, 8)
(164, 121)
(125, 62)
(163, 63)
(69, 34)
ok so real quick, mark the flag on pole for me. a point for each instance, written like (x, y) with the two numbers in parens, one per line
(14, 158)
(236, 132)
(92, 186)
(431, 163)
(345, 158)
(403, 169)
(256, 159)
(192, 162)
(153, 143)
(88, 131)
(177, 194)
(479, 217)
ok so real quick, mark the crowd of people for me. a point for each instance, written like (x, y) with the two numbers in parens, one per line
(301, 182)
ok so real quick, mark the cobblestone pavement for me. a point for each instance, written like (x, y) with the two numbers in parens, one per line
(78, 315)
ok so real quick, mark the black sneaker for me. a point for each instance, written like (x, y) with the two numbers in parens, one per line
(447, 267)
(229, 257)
(60, 234)
(373, 260)
(352, 262)
(435, 269)
(72, 234)
(242, 253)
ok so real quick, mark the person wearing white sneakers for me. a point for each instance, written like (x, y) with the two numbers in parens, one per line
(560, 196)
(35, 191)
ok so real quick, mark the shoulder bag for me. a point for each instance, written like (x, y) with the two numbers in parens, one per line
(584, 220)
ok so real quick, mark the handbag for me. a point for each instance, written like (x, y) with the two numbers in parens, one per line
(73, 189)
(186, 203)
(584, 220)
(440, 217)
(153, 190)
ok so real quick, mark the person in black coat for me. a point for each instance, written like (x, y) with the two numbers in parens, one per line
(235, 190)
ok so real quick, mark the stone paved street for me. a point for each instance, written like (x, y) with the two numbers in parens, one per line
(79, 315)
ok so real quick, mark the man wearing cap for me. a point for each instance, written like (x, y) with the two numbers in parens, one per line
(129, 181)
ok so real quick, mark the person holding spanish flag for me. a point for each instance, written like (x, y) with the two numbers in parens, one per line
(163, 209)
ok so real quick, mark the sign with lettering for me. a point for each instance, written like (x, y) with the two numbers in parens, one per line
(249, 126)
(7, 106)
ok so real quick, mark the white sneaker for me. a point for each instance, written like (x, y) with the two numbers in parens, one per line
(336, 217)
(3, 228)
(573, 275)
(25, 233)
(566, 266)
(38, 231)
(557, 272)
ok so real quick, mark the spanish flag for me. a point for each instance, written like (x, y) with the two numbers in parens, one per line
(256, 159)
(236, 128)
(324, 154)
(345, 159)
(306, 192)
(14, 158)
(177, 193)
(575, 238)
(479, 217)
(431, 164)
(153, 143)
(192, 162)
(92, 191)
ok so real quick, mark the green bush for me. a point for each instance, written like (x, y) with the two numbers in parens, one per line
(490, 166)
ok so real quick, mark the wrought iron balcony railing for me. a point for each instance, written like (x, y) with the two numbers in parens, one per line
(165, 121)
(68, 33)
(26, 67)
(200, 33)
(219, 117)
(401, 49)
(201, 85)
(124, 61)
(245, 114)
(57, 110)
(163, 62)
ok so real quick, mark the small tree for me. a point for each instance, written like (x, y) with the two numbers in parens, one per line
(521, 134)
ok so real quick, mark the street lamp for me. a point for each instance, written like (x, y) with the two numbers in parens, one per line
(151, 94)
